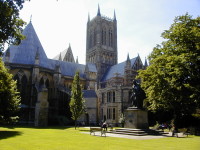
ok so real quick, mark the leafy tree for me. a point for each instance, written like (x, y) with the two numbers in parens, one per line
(77, 101)
(171, 82)
(10, 23)
(9, 97)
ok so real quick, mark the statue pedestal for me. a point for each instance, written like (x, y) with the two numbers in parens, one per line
(136, 118)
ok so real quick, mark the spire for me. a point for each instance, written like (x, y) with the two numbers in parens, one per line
(69, 55)
(69, 46)
(114, 18)
(77, 60)
(98, 12)
(128, 62)
(31, 18)
(128, 58)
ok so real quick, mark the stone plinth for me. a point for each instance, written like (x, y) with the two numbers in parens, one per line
(136, 118)
(41, 108)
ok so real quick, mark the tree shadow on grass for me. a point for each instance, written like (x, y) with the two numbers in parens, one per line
(9, 134)
(33, 127)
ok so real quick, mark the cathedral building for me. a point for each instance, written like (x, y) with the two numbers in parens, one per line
(45, 84)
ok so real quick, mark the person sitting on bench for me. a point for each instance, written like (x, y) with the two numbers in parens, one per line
(104, 126)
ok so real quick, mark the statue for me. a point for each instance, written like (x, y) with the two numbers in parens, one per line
(135, 116)
(137, 96)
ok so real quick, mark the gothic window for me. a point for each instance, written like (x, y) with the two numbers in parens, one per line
(113, 96)
(22, 86)
(23, 90)
(102, 98)
(92, 35)
(102, 41)
(90, 41)
(103, 36)
(108, 97)
(109, 113)
(95, 37)
(47, 83)
(110, 38)
(102, 114)
(113, 114)
(16, 78)
(41, 84)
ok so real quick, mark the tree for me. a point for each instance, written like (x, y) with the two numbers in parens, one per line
(9, 97)
(77, 101)
(10, 23)
(171, 82)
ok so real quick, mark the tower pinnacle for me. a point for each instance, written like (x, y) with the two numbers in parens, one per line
(114, 18)
(31, 18)
(98, 12)
(88, 17)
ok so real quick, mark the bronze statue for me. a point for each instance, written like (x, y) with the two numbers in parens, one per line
(137, 96)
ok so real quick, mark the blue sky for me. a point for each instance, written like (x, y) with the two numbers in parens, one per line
(140, 23)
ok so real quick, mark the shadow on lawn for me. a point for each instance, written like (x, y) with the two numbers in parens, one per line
(33, 127)
(8, 134)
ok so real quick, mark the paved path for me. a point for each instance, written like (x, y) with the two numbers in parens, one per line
(146, 137)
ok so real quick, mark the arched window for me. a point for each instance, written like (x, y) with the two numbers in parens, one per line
(95, 37)
(16, 78)
(103, 36)
(23, 91)
(47, 83)
(90, 40)
(110, 38)
(41, 84)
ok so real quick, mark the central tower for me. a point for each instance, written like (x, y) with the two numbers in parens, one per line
(101, 43)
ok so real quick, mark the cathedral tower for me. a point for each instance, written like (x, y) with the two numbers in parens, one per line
(101, 43)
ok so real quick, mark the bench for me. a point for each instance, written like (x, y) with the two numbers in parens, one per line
(182, 134)
(97, 129)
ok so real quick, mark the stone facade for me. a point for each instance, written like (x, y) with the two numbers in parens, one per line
(106, 82)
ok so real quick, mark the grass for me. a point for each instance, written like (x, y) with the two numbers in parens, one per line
(63, 138)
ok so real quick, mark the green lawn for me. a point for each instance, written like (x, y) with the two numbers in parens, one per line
(22, 138)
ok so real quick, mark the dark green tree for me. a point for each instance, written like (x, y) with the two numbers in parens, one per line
(171, 82)
(10, 22)
(9, 97)
(76, 101)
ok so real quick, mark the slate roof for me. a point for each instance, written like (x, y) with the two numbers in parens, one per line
(92, 67)
(89, 94)
(118, 68)
(68, 68)
(25, 53)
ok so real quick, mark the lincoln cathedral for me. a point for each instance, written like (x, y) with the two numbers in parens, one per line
(45, 84)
